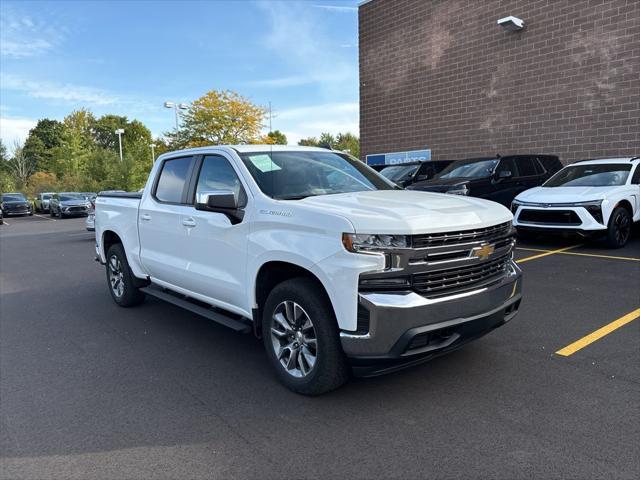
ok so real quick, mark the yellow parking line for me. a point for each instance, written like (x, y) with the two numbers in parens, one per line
(547, 253)
(579, 254)
(598, 334)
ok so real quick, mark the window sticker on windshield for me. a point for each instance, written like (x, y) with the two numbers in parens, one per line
(263, 163)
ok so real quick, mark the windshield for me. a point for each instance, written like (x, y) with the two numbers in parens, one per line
(469, 169)
(298, 174)
(601, 175)
(397, 173)
(64, 197)
(13, 197)
(46, 196)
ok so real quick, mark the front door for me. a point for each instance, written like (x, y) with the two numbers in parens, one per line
(215, 246)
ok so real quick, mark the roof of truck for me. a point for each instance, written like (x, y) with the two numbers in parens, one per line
(247, 149)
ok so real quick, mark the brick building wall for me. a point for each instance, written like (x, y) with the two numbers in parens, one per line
(441, 74)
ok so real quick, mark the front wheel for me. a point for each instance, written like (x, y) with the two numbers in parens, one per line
(300, 335)
(120, 279)
(619, 229)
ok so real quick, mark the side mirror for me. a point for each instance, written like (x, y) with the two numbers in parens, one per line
(422, 178)
(220, 201)
(502, 174)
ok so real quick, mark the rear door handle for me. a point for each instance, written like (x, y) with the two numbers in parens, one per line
(145, 216)
(189, 222)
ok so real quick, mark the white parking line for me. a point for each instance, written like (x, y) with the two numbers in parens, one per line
(46, 218)
(6, 223)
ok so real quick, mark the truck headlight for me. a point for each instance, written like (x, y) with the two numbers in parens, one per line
(459, 190)
(369, 242)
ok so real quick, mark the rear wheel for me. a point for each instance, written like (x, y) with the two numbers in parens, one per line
(619, 229)
(120, 279)
(300, 335)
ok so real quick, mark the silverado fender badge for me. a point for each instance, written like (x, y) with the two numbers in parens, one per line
(482, 252)
(277, 213)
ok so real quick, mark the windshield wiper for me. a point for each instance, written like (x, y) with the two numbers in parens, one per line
(294, 197)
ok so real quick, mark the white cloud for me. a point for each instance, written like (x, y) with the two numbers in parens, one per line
(312, 120)
(12, 129)
(23, 36)
(66, 93)
(300, 40)
(337, 8)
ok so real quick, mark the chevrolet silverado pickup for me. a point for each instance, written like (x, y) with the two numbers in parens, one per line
(339, 271)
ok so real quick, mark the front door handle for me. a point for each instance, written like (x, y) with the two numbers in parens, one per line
(145, 216)
(189, 222)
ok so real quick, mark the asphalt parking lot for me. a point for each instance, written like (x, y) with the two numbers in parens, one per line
(88, 389)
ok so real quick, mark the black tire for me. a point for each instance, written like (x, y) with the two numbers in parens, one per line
(619, 229)
(330, 369)
(51, 212)
(130, 295)
(31, 213)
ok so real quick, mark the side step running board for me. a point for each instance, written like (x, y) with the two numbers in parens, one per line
(235, 324)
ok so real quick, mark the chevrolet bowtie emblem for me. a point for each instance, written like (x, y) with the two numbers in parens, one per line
(483, 251)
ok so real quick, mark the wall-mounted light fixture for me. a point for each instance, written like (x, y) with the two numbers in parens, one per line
(512, 24)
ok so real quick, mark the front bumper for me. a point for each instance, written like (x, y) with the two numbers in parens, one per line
(16, 211)
(585, 223)
(407, 328)
(75, 211)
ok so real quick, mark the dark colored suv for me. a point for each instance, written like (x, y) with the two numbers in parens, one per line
(408, 173)
(495, 178)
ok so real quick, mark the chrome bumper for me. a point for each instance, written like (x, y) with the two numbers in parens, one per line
(396, 319)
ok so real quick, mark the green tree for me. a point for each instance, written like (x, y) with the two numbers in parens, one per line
(348, 142)
(42, 139)
(276, 137)
(219, 117)
(308, 142)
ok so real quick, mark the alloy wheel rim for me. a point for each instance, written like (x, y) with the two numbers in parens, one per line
(294, 340)
(116, 277)
(622, 228)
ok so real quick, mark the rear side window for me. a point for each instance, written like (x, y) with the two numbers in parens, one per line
(173, 179)
(527, 167)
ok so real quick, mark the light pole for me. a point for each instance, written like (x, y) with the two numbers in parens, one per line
(176, 107)
(119, 132)
(153, 153)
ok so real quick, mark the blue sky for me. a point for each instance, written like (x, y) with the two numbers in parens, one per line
(127, 58)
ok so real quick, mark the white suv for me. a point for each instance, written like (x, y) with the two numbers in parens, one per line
(587, 197)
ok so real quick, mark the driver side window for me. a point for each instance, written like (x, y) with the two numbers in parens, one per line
(217, 174)
(635, 180)
(507, 165)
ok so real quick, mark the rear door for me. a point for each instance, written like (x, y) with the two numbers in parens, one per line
(215, 246)
(162, 249)
(530, 173)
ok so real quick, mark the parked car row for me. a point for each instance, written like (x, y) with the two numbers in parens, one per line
(588, 198)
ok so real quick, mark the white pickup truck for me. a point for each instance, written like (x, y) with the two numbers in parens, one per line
(335, 268)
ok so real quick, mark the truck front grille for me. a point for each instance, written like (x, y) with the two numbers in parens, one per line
(486, 234)
(455, 280)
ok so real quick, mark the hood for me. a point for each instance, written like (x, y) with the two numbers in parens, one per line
(441, 184)
(15, 203)
(410, 212)
(564, 194)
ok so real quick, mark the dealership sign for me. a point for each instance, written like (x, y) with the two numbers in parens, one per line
(397, 158)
